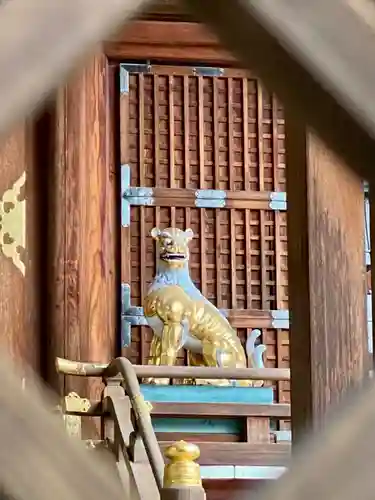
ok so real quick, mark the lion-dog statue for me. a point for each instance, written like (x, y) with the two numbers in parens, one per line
(181, 317)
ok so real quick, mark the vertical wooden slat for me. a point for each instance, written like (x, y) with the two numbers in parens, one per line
(260, 134)
(245, 124)
(202, 184)
(248, 258)
(216, 143)
(141, 138)
(186, 154)
(261, 188)
(258, 430)
(231, 187)
(171, 144)
(275, 157)
(215, 117)
(186, 142)
(156, 143)
(275, 149)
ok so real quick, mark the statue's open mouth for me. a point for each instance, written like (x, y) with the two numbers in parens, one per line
(173, 256)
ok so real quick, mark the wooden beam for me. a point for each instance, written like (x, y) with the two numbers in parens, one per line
(84, 223)
(220, 410)
(328, 331)
(240, 453)
(167, 41)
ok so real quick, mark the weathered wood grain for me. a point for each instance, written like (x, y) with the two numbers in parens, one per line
(329, 349)
(241, 453)
(84, 239)
(167, 41)
(220, 410)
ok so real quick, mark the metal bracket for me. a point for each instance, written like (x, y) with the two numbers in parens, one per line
(137, 67)
(141, 196)
(124, 80)
(210, 198)
(130, 315)
(278, 200)
(125, 69)
(280, 319)
(126, 336)
(72, 404)
(207, 71)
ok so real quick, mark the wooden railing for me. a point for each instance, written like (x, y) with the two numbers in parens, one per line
(127, 417)
(86, 369)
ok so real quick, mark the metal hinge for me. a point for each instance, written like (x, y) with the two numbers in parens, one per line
(141, 196)
(278, 200)
(127, 68)
(280, 319)
(130, 315)
(207, 71)
(210, 198)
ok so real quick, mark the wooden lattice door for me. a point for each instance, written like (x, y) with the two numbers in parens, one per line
(204, 148)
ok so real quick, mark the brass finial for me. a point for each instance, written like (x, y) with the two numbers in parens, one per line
(182, 469)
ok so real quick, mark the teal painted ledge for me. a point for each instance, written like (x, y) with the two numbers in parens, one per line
(198, 425)
(207, 394)
(241, 472)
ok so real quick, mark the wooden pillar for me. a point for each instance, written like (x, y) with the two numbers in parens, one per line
(19, 244)
(83, 224)
(329, 346)
(370, 274)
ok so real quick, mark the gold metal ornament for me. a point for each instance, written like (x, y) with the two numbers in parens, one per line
(74, 404)
(182, 469)
(13, 223)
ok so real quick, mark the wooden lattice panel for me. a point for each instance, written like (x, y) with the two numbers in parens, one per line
(186, 132)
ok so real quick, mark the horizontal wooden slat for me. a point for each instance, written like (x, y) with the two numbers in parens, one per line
(240, 453)
(167, 41)
(166, 33)
(164, 197)
(220, 410)
(238, 318)
(193, 437)
(181, 372)
(248, 318)
(230, 195)
(190, 70)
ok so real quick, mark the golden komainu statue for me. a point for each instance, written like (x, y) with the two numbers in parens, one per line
(181, 317)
